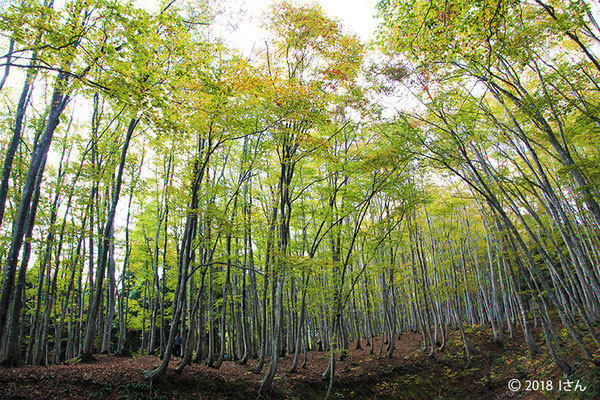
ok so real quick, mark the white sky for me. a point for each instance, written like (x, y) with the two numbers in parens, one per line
(357, 16)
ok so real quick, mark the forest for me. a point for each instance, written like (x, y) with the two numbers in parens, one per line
(320, 194)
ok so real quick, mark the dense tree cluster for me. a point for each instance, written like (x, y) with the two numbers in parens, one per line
(156, 182)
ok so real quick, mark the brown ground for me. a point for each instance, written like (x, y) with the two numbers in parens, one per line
(409, 374)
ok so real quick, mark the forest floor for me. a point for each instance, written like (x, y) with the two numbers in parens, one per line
(409, 374)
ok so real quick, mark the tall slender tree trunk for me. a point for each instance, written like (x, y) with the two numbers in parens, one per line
(36, 166)
(90, 331)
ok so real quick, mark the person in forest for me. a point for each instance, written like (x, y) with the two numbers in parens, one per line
(177, 345)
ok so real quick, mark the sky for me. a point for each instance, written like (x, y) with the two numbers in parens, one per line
(357, 16)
